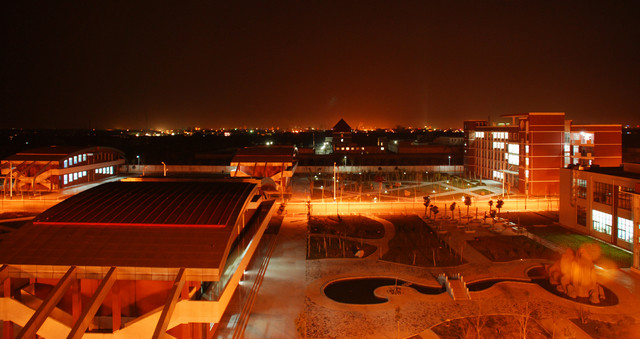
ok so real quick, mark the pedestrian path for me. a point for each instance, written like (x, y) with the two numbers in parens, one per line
(281, 298)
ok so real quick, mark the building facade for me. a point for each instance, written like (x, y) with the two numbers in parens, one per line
(529, 152)
(603, 202)
(55, 167)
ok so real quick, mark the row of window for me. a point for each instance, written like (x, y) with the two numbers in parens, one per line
(71, 177)
(602, 222)
(500, 135)
(74, 160)
(104, 170)
(356, 148)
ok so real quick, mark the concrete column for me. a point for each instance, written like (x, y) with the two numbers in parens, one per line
(116, 312)
(76, 299)
(7, 326)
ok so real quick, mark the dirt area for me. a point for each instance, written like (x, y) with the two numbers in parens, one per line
(507, 248)
(529, 218)
(333, 247)
(350, 226)
(490, 326)
(602, 329)
(416, 244)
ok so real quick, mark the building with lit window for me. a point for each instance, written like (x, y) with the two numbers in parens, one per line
(274, 165)
(56, 167)
(603, 202)
(142, 258)
(528, 152)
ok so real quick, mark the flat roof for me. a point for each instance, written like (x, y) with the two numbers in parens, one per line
(614, 171)
(134, 224)
(54, 153)
(265, 154)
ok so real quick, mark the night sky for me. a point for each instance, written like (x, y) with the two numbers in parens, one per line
(159, 64)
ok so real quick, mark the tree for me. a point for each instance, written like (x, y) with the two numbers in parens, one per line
(490, 205)
(452, 208)
(427, 201)
(467, 201)
(434, 210)
(499, 205)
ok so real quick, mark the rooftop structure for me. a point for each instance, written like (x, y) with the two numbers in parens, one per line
(142, 238)
(55, 167)
(275, 165)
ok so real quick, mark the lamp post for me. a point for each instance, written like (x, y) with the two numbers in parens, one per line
(164, 168)
(138, 157)
(449, 160)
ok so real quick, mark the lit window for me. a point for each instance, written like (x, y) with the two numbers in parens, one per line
(110, 169)
(84, 157)
(625, 229)
(514, 148)
(70, 161)
(526, 161)
(65, 178)
(382, 148)
(479, 134)
(526, 148)
(75, 176)
(96, 170)
(526, 173)
(514, 159)
(341, 140)
(347, 148)
(601, 222)
(75, 159)
(65, 164)
(84, 173)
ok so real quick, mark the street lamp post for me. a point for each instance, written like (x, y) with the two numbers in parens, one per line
(449, 160)
(138, 157)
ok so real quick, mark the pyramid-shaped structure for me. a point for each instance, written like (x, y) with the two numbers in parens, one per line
(342, 126)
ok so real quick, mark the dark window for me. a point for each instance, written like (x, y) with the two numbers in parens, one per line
(624, 200)
(581, 189)
(581, 216)
(602, 193)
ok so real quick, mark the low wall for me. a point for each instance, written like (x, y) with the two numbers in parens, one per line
(453, 169)
(155, 169)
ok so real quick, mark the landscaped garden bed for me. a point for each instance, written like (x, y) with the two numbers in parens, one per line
(490, 326)
(350, 226)
(603, 329)
(320, 247)
(416, 244)
(507, 248)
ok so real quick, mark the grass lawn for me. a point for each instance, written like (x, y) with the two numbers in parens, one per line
(566, 238)
(482, 191)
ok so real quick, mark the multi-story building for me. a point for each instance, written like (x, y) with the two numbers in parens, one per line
(56, 167)
(603, 202)
(529, 152)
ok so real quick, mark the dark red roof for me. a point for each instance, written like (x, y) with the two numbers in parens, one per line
(152, 203)
(135, 224)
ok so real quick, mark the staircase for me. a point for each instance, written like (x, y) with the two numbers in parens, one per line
(455, 285)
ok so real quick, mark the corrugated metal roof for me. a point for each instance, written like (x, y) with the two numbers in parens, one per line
(153, 203)
(135, 224)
